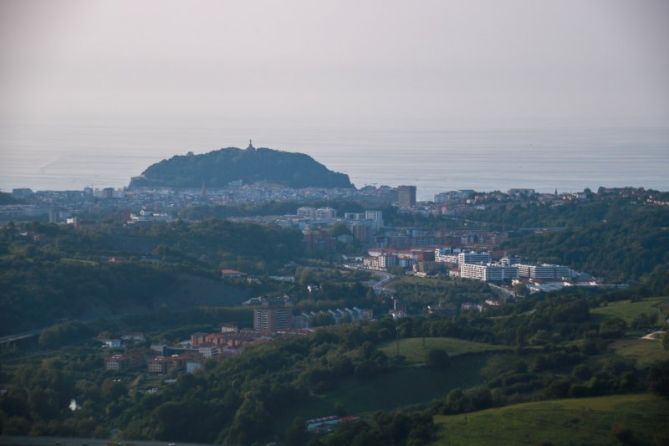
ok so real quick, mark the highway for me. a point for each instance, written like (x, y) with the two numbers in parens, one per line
(19, 336)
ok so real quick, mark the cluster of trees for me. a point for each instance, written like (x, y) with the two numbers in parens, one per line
(418, 292)
(218, 168)
(618, 242)
(214, 243)
(236, 402)
(66, 273)
(38, 291)
(614, 237)
(38, 401)
(392, 429)
(63, 333)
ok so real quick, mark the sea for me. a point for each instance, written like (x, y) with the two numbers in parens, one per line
(60, 156)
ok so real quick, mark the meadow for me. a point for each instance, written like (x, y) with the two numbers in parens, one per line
(628, 310)
(401, 387)
(640, 419)
(415, 349)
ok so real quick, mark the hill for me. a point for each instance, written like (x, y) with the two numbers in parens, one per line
(220, 167)
(620, 419)
(394, 389)
(415, 349)
(69, 273)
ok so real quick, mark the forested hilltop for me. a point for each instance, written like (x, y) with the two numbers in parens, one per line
(613, 237)
(220, 167)
(85, 273)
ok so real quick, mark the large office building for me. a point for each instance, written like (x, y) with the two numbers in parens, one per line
(382, 261)
(406, 196)
(488, 273)
(544, 272)
(272, 318)
(473, 257)
(375, 218)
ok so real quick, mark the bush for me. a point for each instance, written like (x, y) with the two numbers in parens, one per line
(659, 378)
(438, 358)
(63, 333)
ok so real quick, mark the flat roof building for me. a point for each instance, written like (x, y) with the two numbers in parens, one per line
(488, 273)
(270, 319)
(406, 196)
(544, 272)
(474, 257)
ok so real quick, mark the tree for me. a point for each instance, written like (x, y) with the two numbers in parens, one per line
(322, 319)
(659, 378)
(296, 435)
(438, 358)
(340, 229)
(613, 328)
(665, 341)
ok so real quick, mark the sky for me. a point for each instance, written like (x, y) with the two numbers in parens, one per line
(381, 64)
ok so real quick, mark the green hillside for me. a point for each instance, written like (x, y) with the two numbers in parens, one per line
(643, 351)
(639, 419)
(398, 388)
(415, 349)
(629, 310)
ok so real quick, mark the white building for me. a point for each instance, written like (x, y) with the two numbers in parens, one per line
(326, 213)
(488, 272)
(381, 261)
(446, 255)
(306, 212)
(544, 272)
(145, 216)
(375, 218)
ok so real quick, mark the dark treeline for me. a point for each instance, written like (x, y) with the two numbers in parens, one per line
(557, 349)
(84, 274)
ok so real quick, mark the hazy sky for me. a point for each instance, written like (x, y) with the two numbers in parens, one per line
(449, 64)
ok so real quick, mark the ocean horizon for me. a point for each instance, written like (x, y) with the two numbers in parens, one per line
(69, 157)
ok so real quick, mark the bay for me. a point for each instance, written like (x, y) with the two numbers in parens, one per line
(49, 156)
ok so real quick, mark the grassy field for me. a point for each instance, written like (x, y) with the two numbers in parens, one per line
(628, 310)
(584, 421)
(643, 351)
(400, 387)
(415, 349)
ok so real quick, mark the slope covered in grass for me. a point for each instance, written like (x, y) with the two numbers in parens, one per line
(415, 349)
(628, 310)
(643, 419)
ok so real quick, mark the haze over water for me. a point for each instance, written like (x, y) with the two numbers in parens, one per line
(66, 157)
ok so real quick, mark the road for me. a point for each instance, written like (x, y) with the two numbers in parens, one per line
(8, 440)
(20, 336)
(502, 290)
(378, 286)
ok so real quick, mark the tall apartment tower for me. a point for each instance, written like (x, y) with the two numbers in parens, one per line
(406, 196)
(271, 319)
